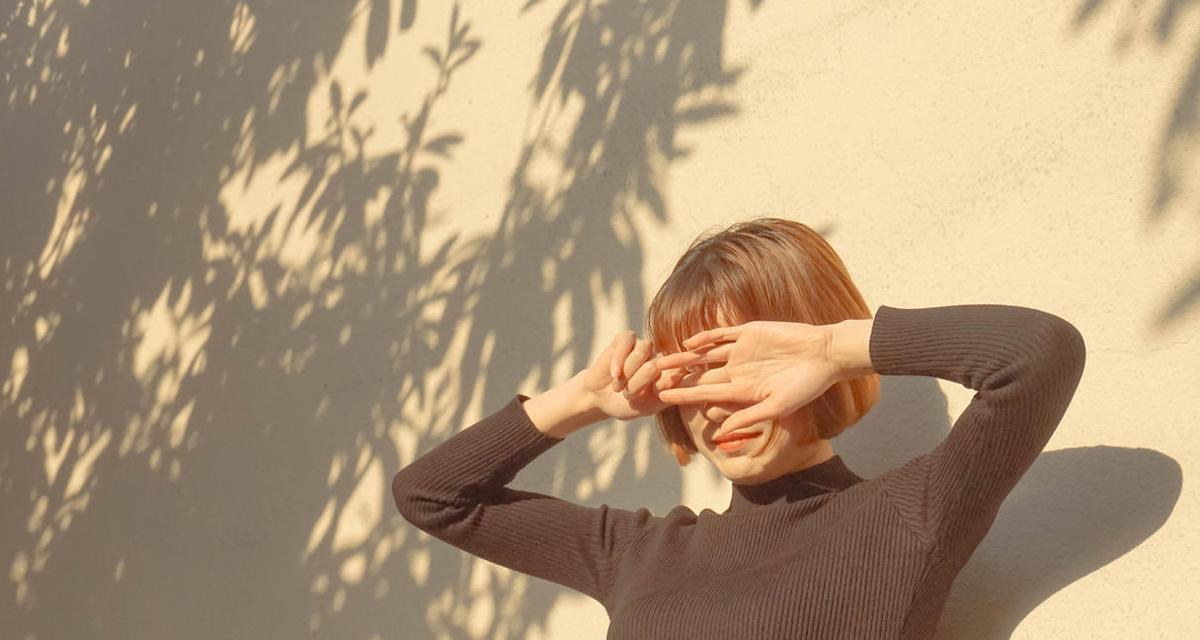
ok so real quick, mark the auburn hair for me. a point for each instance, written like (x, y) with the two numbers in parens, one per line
(760, 269)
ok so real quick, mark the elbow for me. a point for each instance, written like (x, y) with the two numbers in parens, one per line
(425, 508)
(404, 494)
(1061, 352)
(399, 493)
(1071, 349)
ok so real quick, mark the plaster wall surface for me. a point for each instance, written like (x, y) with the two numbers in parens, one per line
(256, 257)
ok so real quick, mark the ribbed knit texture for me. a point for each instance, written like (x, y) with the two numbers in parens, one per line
(818, 553)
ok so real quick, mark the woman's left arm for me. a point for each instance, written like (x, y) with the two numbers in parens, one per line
(1024, 365)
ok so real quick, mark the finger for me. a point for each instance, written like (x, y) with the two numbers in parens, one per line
(637, 356)
(718, 353)
(704, 376)
(642, 377)
(624, 342)
(754, 414)
(612, 359)
(712, 335)
(668, 378)
(685, 377)
(718, 392)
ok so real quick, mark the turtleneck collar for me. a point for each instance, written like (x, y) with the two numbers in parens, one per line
(830, 475)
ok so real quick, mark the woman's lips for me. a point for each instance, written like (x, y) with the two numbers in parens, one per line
(735, 441)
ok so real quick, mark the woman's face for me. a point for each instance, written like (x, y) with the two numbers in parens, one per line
(750, 461)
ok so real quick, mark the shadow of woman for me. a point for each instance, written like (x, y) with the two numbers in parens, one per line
(1054, 528)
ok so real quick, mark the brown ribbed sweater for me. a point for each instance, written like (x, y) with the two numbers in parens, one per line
(819, 553)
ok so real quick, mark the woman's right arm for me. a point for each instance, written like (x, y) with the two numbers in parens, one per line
(563, 410)
(457, 491)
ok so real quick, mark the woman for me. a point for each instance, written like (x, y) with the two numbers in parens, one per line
(761, 351)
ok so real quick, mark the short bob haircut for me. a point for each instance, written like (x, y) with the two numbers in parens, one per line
(761, 269)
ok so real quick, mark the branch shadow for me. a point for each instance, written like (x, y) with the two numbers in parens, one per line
(179, 458)
(1176, 160)
(210, 380)
(620, 78)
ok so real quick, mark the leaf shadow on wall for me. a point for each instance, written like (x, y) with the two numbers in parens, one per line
(194, 412)
(1177, 152)
(620, 78)
(207, 402)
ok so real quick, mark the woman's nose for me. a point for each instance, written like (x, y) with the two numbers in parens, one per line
(718, 411)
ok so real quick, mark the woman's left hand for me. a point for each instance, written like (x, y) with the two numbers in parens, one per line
(776, 367)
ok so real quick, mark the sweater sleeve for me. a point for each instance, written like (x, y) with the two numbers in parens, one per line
(1024, 365)
(457, 493)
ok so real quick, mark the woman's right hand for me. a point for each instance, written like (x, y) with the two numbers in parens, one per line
(624, 379)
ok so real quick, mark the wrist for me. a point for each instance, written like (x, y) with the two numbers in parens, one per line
(582, 399)
(563, 409)
(850, 347)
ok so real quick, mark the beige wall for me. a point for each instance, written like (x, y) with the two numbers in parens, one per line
(237, 297)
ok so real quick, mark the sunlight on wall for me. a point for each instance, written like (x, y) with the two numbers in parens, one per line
(91, 152)
(72, 500)
(478, 612)
(68, 222)
(253, 210)
(266, 231)
(169, 347)
(362, 510)
(17, 370)
(242, 29)
(356, 252)
(289, 204)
